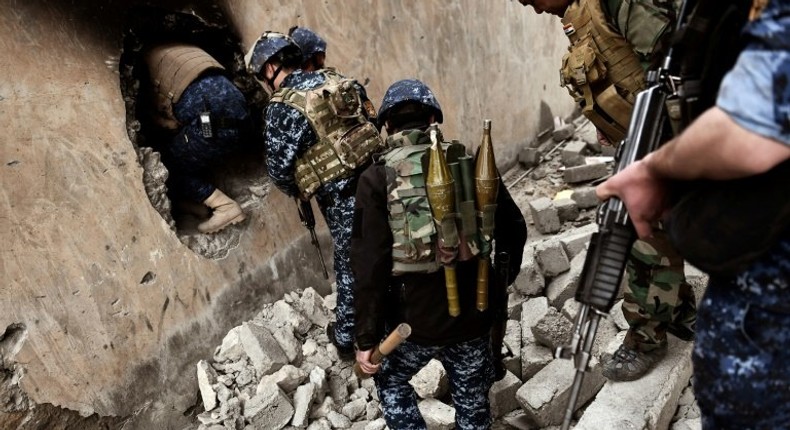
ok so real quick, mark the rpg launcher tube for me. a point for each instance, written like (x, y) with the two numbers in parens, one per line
(441, 196)
(401, 333)
(486, 190)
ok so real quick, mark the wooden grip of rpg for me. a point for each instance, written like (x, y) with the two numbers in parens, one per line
(482, 283)
(401, 332)
(453, 304)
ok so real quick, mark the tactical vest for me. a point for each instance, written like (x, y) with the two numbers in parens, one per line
(346, 139)
(173, 67)
(414, 233)
(600, 70)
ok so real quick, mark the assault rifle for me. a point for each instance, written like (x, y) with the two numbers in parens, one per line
(308, 220)
(609, 247)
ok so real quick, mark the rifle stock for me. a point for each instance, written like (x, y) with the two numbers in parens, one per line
(308, 220)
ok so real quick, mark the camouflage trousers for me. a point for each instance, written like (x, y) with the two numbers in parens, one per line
(338, 213)
(469, 366)
(741, 356)
(657, 298)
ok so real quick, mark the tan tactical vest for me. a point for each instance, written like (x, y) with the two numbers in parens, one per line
(601, 70)
(346, 139)
(173, 67)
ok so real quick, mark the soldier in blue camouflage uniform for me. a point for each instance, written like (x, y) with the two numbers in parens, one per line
(274, 60)
(741, 356)
(209, 119)
(389, 293)
(313, 48)
(657, 298)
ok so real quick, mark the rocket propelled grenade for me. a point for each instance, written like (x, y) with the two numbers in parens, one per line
(441, 195)
(486, 190)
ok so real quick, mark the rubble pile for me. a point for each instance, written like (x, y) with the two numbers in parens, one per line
(279, 370)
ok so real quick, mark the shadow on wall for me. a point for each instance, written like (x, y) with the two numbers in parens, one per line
(240, 174)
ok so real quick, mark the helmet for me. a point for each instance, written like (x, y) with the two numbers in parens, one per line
(308, 41)
(265, 48)
(408, 90)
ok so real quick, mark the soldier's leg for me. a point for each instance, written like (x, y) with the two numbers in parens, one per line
(398, 399)
(741, 361)
(656, 293)
(187, 155)
(339, 215)
(470, 370)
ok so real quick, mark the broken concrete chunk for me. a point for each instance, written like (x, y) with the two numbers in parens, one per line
(551, 258)
(207, 376)
(262, 348)
(437, 414)
(431, 381)
(270, 408)
(544, 215)
(585, 172)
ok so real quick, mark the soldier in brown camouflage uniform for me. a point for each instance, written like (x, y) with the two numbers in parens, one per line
(613, 43)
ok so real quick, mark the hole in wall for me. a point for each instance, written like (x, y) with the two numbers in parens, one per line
(180, 173)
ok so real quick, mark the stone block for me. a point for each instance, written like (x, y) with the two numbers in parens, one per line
(431, 381)
(567, 209)
(564, 286)
(544, 215)
(585, 197)
(438, 416)
(573, 153)
(502, 395)
(262, 348)
(551, 258)
(529, 157)
(585, 172)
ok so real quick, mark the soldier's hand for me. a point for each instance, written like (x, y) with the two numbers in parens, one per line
(644, 194)
(602, 139)
(363, 358)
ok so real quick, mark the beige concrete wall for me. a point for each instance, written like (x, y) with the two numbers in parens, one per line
(79, 234)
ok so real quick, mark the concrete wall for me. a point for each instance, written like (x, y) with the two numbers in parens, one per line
(110, 311)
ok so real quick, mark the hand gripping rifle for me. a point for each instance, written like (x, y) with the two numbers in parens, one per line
(609, 247)
(308, 220)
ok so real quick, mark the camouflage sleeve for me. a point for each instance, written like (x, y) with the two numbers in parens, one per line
(645, 23)
(287, 135)
(371, 256)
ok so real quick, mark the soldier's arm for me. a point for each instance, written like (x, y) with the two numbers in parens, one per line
(510, 234)
(646, 26)
(371, 256)
(286, 136)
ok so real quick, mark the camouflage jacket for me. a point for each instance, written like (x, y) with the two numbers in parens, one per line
(419, 299)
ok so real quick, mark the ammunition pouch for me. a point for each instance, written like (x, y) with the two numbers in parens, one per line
(328, 161)
(346, 139)
(600, 70)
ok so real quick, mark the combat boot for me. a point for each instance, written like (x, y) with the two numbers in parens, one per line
(628, 364)
(226, 212)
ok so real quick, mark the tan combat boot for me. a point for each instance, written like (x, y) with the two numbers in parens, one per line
(226, 212)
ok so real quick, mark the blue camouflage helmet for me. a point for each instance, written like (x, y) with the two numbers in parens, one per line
(308, 41)
(408, 90)
(267, 46)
